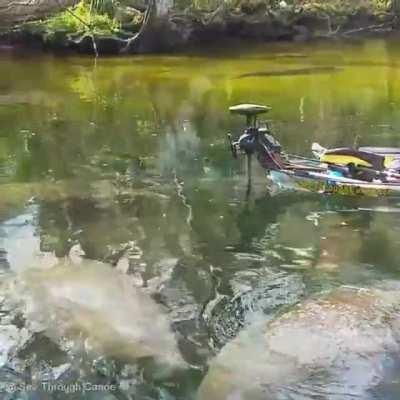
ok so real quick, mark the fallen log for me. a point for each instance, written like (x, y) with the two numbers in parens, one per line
(17, 11)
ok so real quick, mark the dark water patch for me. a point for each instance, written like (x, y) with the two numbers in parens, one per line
(290, 55)
(4, 265)
(262, 294)
(292, 72)
(42, 348)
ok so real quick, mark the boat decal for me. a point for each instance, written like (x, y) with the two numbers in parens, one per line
(336, 188)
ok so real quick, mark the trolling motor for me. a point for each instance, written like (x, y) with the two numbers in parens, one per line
(255, 139)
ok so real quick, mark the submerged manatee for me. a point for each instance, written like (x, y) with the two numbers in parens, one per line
(334, 347)
(93, 305)
(312, 70)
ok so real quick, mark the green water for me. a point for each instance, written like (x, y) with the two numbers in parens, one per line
(127, 158)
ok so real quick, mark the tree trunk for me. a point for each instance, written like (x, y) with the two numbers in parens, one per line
(156, 33)
(16, 11)
(396, 6)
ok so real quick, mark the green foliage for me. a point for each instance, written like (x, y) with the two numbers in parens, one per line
(346, 7)
(83, 17)
(101, 6)
(331, 7)
(112, 16)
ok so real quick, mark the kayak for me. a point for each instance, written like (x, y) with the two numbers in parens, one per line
(349, 171)
(320, 183)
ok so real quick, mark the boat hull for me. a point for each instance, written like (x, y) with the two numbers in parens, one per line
(320, 183)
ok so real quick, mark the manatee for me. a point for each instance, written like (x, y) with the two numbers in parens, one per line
(313, 70)
(94, 307)
(332, 347)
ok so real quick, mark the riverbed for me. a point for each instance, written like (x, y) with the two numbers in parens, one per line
(130, 254)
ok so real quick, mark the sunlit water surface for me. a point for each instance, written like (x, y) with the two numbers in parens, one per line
(129, 252)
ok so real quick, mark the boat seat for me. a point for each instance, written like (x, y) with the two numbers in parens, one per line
(347, 155)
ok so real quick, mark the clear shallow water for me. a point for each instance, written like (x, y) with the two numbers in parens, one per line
(125, 160)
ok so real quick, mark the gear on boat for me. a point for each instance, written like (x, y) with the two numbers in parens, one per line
(347, 167)
(379, 158)
(257, 138)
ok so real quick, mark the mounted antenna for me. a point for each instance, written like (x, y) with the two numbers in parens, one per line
(250, 111)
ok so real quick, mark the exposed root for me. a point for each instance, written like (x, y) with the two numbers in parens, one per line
(384, 27)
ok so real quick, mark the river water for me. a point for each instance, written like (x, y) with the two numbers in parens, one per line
(129, 252)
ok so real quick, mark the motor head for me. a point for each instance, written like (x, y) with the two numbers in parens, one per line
(247, 142)
(256, 139)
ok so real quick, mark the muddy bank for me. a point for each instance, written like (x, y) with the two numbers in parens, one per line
(179, 31)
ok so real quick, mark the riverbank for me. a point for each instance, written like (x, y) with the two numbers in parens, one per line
(136, 31)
